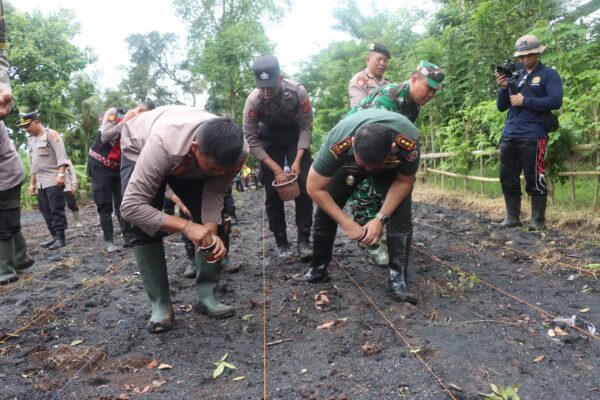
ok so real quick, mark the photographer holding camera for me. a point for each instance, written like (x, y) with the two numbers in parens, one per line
(529, 94)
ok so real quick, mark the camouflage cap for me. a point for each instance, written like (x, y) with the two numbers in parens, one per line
(379, 48)
(27, 118)
(266, 71)
(433, 74)
(528, 44)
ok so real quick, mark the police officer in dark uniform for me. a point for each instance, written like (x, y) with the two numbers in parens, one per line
(49, 162)
(13, 247)
(104, 161)
(278, 126)
(371, 142)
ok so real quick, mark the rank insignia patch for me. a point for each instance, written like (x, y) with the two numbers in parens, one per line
(404, 142)
(341, 146)
(305, 105)
(252, 114)
(412, 156)
(54, 137)
(112, 117)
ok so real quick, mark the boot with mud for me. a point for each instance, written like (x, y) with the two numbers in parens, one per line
(190, 268)
(322, 248)
(207, 280)
(108, 233)
(50, 242)
(513, 212)
(77, 219)
(304, 247)
(7, 261)
(283, 246)
(399, 247)
(22, 259)
(150, 259)
(60, 241)
(538, 213)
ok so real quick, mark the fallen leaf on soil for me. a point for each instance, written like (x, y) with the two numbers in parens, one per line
(539, 358)
(371, 348)
(294, 296)
(152, 364)
(239, 378)
(76, 342)
(584, 310)
(253, 303)
(158, 384)
(185, 307)
(551, 333)
(165, 366)
(321, 299)
(455, 387)
(415, 351)
(303, 371)
(326, 325)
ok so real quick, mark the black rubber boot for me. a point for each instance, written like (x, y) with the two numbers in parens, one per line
(190, 251)
(50, 242)
(150, 259)
(538, 212)
(513, 212)
(60, 241)
(107, 232)
(7, 261)
(304, 247)
(283, 246)
(322, 248)
(399, 250)
(207, 280)
(125, 231)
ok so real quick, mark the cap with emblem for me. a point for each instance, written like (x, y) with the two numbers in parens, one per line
(379, 48)
(528, 44)
(266, 71)
(27, 118)
(433, 74)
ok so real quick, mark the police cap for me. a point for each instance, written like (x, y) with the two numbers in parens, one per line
(379, 48)
(266, 71)
(27, 118)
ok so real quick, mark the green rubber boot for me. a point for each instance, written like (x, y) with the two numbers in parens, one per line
(7, 261)
(150, 259)
(378, 254)
(22, 258)
(77, 219)
(207, 279)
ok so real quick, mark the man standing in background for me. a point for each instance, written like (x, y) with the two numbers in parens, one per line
(371, 77)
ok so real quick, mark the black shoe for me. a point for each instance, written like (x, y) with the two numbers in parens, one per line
(57, 244)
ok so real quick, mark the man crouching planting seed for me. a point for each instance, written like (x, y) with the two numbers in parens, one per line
(385, 146)
(195, 155)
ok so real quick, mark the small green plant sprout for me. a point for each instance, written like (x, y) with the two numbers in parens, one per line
(248, 317)
(459, 281)
(501, 393)
(221, 365)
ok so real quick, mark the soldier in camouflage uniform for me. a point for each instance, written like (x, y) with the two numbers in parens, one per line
(405, 98)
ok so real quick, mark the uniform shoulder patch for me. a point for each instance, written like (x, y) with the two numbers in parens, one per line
(54, 137)
(340, 147)
(112, 117)
(536, 80)
(252, 114)
(404, 142)
(412, 156)
(361, 82)
(305, 105)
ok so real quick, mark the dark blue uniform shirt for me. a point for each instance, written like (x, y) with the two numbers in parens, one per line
(528, 120)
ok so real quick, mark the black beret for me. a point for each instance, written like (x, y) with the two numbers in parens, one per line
(379, 48)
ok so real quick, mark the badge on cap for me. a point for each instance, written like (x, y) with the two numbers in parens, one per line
(264, 76)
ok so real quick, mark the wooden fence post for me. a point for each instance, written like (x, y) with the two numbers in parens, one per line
(481, 174)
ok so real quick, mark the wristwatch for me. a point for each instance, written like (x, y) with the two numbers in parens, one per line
(383, 218)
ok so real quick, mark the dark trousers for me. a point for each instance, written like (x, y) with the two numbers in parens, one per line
(10, 212)
(325, 228)
(189, 190)
(238, 186)
(71, 202)
(273, 203)
(51, 202)
(106, 188)
(527, 155)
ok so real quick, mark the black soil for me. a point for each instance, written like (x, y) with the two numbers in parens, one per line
(73, 326)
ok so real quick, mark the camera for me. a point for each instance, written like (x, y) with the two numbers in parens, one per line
(507, 68)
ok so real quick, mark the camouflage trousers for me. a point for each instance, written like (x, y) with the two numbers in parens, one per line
(366, 201)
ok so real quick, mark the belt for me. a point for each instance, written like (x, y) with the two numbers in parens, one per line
(105, 161)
